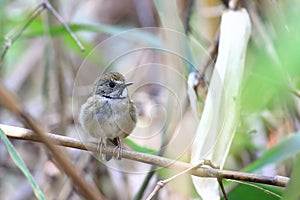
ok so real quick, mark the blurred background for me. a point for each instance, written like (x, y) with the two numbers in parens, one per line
(155, 44)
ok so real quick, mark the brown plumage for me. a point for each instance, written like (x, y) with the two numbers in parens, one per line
(109, 114)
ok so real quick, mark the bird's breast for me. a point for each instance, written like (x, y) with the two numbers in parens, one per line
(107, 118)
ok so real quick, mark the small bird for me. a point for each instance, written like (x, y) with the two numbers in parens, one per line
(109, 114)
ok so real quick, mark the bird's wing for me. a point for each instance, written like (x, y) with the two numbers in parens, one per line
(132, 111)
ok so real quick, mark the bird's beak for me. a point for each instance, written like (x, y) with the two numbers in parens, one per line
(127, 84)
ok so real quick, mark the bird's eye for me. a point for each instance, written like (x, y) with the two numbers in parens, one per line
(112, 84)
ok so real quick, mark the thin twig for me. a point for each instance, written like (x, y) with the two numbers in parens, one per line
(257, 187)
(149, 175)
(25, 134)
(61, 20)
(161, 151)
(212, 54)
(222, 188)
(160, 184)
(145, 183)
(213, 49)
(13, 36)
(10, 39)
(200, 79)
(187, 15)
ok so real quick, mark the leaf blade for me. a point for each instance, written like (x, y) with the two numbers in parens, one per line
(21, 165)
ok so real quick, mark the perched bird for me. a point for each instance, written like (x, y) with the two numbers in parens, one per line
(109, 114)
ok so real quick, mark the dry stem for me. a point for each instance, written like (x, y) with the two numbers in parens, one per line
(25, 134)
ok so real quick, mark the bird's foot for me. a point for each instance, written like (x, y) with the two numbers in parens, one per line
(100, 147)
(118, 150)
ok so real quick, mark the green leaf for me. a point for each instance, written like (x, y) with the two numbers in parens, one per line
(37, 29)
(141, 35)
(139, 148)
(283, 150)
(20, 164)
(292, 190)
(246, 192)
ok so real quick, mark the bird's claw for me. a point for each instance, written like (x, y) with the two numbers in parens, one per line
(118, 152)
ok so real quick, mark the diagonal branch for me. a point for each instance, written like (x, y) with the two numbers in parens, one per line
(25, 134)
(61, 20)
(14, 35)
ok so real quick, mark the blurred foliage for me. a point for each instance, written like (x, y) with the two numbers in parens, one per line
(269, 88)
(284, 150)
(45, 85)
(292, 191)
(247, 192)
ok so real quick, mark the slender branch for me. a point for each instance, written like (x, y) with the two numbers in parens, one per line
(212, 54)
(10, 38)
(150, 174)
(257, 187)
(61, 20)
(145, 183)
(25, 134)
(162, 183)
(222, 188)
(160, 152)
(159, 185)
(187, 15)
(213, 49)
(14, 35)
